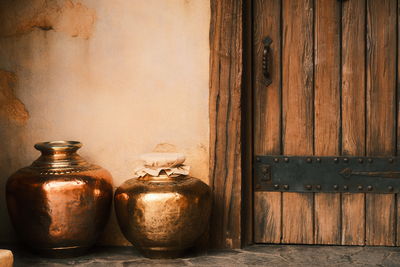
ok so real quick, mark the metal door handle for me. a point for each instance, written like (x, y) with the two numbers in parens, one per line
(267, 61)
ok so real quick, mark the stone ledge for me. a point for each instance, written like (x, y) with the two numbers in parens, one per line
(258, 255)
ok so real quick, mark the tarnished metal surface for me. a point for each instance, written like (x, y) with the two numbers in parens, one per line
(162, 216)
(327, 174)
(61, 203)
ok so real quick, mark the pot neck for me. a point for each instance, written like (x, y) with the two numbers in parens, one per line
(59, 154)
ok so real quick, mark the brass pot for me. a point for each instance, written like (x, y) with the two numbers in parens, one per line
(60, 204)
(163, 215)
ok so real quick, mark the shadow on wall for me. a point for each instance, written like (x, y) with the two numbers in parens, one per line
(13, 118)
(22, 16)
(18, 18)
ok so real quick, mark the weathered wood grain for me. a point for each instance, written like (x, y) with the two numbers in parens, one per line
(398, 121)
(327, 77)
(353, 219)
(397, 221)
(297, 218)
(267, 109)
(268, 217)
(267, 115)
(225, 122)
(297, 96)
(381, 88)
(327, 218)
(380, 219)
(353, 112)
(327, 126)
(297, 77)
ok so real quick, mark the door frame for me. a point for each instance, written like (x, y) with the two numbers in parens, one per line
(230, 111)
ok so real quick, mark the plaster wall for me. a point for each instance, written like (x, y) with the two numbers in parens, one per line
(122, 77)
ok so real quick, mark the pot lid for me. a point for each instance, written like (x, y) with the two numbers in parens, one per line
(154, 163)
(161, 159)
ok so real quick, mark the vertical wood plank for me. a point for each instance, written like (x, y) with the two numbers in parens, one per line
(327, 112)
(267, 115)
(398, 121)
(327, 77)
(225, 122)
(268, 218)
(381, 86)
(380, 219)
(353, 219)
(297, 97)
(327, 218)
(353, 112)
(297, 218)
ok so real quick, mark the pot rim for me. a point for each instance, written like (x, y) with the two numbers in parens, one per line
(58, 145)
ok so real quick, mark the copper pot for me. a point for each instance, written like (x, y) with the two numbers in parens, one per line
(60, 204)
(163, 215)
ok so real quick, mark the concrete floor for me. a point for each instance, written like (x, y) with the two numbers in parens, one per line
(258, 255)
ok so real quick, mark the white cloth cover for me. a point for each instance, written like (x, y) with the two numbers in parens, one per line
(154, 163)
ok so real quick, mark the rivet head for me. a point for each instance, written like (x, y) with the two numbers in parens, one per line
(390, 188)
(336, 187)
(309, 160)
(391, 160)
(360, 160)
(286, 187)
(370, 160)
(265, 170)
(346, 160)
(276, 186)
(369, 188)
(276, 160)
(319, 160)
(318, 187)
(286, 160)
(359, 187)
(258, 186)
(308, 187)
(258, 159)
(336, 160)
(345, 187)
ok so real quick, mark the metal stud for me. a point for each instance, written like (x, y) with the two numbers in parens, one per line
(319, 160)
(286, 160)
(276, 186)
(360, 160)
(276, 160)
(369, 188)
(286, 187)
(370, 160)
(359, 187)
(391, 160)
(336, 187)
(309, 160)
(390, 188)
(308, 187)
(345, 187)
(258, 159)
(346, 160)
(318, 187)
(336, 160)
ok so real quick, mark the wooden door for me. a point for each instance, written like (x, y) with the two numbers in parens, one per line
(333, 92)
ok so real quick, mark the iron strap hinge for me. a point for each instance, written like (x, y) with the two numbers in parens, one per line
(327, 174)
